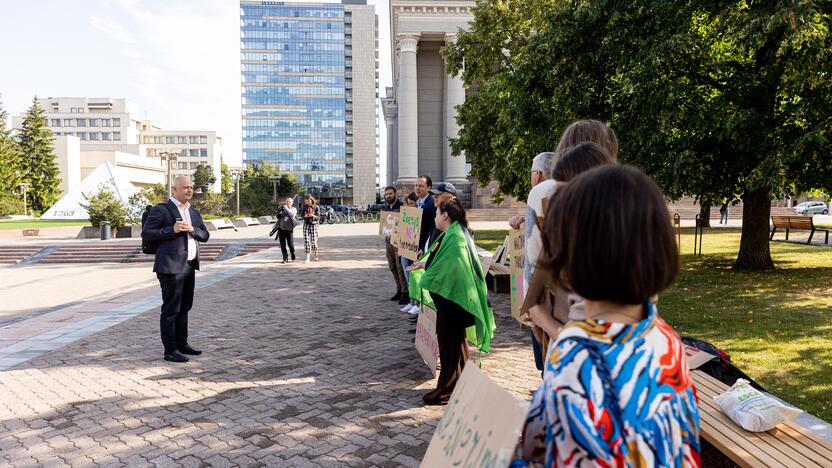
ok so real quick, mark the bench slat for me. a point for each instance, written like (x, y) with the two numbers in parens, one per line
(735, 446)
(788, 445)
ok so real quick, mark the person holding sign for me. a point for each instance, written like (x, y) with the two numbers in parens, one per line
(411, 307)
(617, 390)
(393, 204)
(453, 284)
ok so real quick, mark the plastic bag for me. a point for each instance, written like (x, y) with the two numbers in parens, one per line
(753, 410)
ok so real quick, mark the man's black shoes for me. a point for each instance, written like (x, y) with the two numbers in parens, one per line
(188, 349)
(176, 356)
(397, 297)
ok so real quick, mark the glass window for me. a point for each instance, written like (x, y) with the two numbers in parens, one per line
(203, 139)
(184, 153)
(203, 152)
(82, 136)
(93, 123)
(106, 136)
(194, 153)
(181, 140)
(194, 165)
(68, 123)
(56, 122)
(116, 122)
(106, 122)
(116, 136)
(94, 136)
(183, 165)
(193, 140)
(169, 140)
(81, 122)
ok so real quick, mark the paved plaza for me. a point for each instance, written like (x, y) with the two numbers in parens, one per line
(303, 365)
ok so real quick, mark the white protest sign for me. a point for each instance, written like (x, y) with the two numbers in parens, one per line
(426, 342)
(480, 427)
(387, 223)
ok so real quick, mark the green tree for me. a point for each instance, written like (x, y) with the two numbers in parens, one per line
(203, 178)
(713, 99)
(210, 203)
(40, 168)
(257, 191)
(11, 168)
(155, 194)
(105, 206)
(148, 195)
(10, 204)
(225, 178)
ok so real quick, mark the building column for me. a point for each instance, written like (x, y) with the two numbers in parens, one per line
(454, 96)
(408, 110)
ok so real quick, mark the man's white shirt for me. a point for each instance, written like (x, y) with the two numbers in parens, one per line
(186, 216)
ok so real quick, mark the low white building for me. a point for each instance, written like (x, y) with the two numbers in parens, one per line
(191, 148)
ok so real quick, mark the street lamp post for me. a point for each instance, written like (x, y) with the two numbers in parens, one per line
(237, 172)
(274, 180)
(24, 187)
(165, 155)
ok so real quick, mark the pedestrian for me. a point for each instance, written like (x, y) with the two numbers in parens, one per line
(311, 215)
(616, 390)
(453, 280)
(412, 307)
(723, 213)
(178, 229)
(393, 204)
(428, 205)
(284, 226)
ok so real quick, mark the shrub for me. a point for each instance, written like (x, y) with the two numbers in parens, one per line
(10, 204)
(104, 206)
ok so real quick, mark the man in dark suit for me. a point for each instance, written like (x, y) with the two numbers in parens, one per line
(177, 257)
(426, 203)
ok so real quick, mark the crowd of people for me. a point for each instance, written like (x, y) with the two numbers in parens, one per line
(616, 389)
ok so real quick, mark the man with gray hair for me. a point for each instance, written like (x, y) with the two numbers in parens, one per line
(543, 187)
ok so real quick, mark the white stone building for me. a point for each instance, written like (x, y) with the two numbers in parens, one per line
(191, 147)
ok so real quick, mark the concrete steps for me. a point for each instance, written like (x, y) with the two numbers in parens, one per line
(493, 214)
(16, 254)
(129, 253)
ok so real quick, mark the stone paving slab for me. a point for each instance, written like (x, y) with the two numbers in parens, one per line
(304, 365)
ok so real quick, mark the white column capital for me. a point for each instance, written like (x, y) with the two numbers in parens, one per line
(450, 38)
(408, 42)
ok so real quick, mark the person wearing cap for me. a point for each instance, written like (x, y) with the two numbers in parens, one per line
(442, 192)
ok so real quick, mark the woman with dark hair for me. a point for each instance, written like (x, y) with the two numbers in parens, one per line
(616, 390)
(453, 284)
(311, 215)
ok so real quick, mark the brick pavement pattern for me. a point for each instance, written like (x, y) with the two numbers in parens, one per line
(303, 365)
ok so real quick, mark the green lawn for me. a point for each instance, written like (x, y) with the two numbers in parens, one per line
(12, 224)
(776, 325)
(490, 239)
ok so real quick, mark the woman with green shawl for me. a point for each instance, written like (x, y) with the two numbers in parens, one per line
(453, 284)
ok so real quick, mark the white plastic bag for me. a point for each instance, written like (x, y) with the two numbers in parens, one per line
(751, 409)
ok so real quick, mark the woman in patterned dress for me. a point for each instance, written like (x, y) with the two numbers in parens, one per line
(616, 389)
(311, 215)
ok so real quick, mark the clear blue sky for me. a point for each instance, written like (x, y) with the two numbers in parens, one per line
(179, 60)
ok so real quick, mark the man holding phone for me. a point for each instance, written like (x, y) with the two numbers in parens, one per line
(179, 227)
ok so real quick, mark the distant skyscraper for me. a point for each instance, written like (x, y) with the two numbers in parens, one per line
(309, 91)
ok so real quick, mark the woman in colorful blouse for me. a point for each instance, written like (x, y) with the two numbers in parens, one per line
(616, 389)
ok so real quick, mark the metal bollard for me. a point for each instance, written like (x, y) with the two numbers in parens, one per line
(106, 232)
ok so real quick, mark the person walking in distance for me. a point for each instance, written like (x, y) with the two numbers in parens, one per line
(393, 204)
(311, 215)
(285, 228)
(178, 228)
(723, 213)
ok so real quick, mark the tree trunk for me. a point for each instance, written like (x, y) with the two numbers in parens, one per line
(754, 245)
(705, 212)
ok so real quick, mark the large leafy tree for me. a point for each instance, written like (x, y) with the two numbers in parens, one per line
(225, 178)
(718, 99)
(257, 191)
(204, 177)
(11, 169)
(40, 169)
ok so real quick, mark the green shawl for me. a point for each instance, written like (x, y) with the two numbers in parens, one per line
(455, 273)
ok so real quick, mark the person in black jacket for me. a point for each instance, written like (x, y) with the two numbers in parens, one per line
(426, 203)
(179, 227)
(311, 214)
(284, 227)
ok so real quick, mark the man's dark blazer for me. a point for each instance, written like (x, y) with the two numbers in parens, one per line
(428, 221)
(172, 254)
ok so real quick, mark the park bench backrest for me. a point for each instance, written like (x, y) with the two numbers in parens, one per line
(780, 221)
(801, 222)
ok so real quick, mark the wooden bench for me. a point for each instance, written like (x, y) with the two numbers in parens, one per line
(217, 224)
(802, 223)
(787, 445)
(500, 277)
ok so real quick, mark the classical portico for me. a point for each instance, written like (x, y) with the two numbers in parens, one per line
(421, 111)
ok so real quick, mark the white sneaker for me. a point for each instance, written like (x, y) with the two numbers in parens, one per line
(405, 308)
(307, 259)
(414, 310)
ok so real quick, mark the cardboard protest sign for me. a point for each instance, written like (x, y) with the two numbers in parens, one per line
(480, 427)
(394, 236)
(410, 225)
(516, 261)
(387, 222)
(427, 344)
(697, 357)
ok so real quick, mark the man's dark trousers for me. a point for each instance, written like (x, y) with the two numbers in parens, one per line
(177, 299)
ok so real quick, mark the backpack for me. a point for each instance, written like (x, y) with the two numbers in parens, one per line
(149, 247)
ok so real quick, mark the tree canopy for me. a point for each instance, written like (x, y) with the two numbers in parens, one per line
(40, 169)
(713, 99)
(203, 178)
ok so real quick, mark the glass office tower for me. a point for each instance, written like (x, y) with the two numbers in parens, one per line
(294, 100)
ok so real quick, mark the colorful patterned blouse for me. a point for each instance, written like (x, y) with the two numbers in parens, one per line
(574, 419)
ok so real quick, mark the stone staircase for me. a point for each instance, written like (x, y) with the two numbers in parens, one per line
(493, 214)
(12, 254)
(132, 253)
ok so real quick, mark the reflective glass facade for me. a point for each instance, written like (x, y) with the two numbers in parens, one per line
(293, 89)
